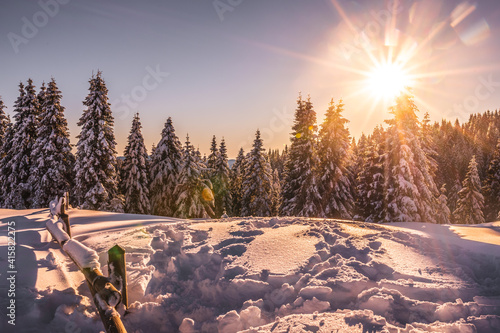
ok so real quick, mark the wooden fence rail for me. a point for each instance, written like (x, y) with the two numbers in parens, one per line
(103, 289)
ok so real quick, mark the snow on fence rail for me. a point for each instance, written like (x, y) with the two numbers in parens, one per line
(106, 295)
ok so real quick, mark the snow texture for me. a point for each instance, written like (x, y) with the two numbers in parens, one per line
(229, 276)
(82, 255)
(57, 229)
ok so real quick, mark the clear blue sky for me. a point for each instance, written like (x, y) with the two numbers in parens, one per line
(231, 72)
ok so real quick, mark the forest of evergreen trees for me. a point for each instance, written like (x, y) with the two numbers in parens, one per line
(407, 170)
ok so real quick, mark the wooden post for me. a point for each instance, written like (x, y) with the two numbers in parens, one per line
(118, 271)
(112, 323)
(65, 218)
(102, 286)
(106, 296)
(66, 200)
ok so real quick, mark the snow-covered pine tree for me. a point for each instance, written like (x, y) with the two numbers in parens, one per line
(5, 144)
(237, 172)
(471, 202)
(491, 188)
(193, 193)
(53, 162)
(334, 144)
(221, 183)
(428, 145)
(135, 181)
(4, 126)
(165, 167)
(213, 157)
(371, 179)
(362, 180)
(453, 195)
(443, 214)
(257, 182)
(96, 166)
(275, 193)
(19, 193)
(42, 97)
(411, 193)
(300, 190)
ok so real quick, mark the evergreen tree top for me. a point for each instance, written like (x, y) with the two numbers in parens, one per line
(169, 146)
(213, 157)
(304, 126)
(52, 112)
(405, 112)
(26, 108)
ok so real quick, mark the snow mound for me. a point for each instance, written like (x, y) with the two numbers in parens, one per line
(269, 275)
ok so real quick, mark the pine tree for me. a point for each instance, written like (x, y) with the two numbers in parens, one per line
(471, 202)
(237, 172)
(362, 179)
(453, 195)
(257, 182)
(371, 179)
(53, 162)
(135, 183)
(275, 193)
(193, 193)
(165, 168)
(428, 145)
(212, 158)
(96, 165)
(221, 175)
(443, 214)
(18, 191)
(4, 126)
(491, 188)
(5, 145)
(335, 186)
(411, 193)
(300, 190)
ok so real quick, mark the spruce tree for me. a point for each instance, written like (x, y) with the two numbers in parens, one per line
(335, 186)
(213, 158)
(300, 190)
(96, 165)
(193, 193)
(165, 167)
(471, 202)
(221, 186)
(275, 193)
(428, 144)
(362, 179)
(135, 181)
(453, 195)
(443, 214)
(371, 179)
(411, 192)
(257, 182)
(4, 126)
(53, 162)
(491, 188)
(5, 144)
(237, 172)
(18, 191)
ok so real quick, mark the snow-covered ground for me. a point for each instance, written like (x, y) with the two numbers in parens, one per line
(260, 275)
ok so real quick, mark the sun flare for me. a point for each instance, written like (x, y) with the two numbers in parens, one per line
(386, 81)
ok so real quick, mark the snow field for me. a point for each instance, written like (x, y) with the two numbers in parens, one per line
(352, 266)
(264, 275)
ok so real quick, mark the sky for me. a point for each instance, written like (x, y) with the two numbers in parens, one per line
(230, 67)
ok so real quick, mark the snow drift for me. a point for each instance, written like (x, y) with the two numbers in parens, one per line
(265, 275)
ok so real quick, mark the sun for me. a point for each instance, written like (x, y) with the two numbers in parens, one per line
(386, 81)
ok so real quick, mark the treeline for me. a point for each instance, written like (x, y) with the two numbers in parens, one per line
(407, 170)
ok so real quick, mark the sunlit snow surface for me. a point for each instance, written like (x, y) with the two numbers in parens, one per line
(260, 275)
